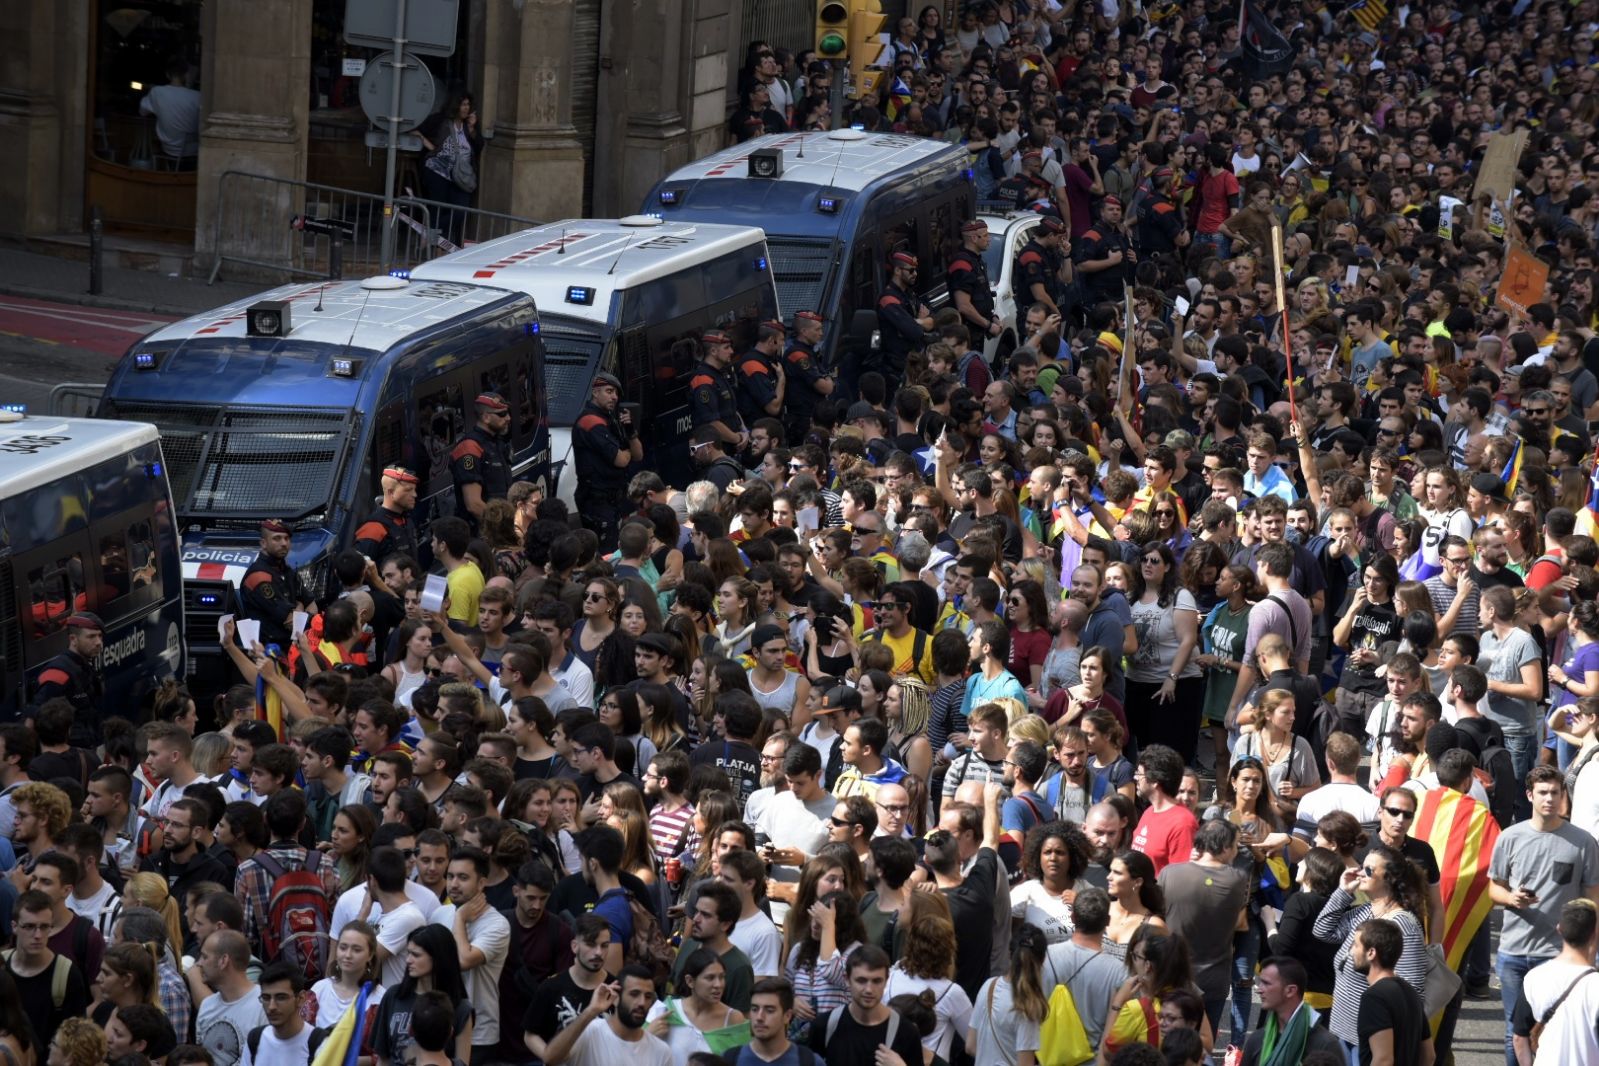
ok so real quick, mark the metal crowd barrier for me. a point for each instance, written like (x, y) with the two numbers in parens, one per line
(303, 229)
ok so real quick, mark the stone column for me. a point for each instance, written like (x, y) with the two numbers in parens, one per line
(34, 95)
(256, 63)
(533, 163)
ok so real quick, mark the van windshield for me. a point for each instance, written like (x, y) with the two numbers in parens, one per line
(247, 463)
(571, 355)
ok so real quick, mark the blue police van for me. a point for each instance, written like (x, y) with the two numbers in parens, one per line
(289, 405)
(835, 205)
(87, 524)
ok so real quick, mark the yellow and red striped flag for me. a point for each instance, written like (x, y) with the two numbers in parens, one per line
(1462, 835)
(1369, 13)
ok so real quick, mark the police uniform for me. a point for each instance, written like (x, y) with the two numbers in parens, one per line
(481, 458)
(803, 370)
(77, 680)
(386, 532)
(757, 385)
(598, 437)
(1160, 222)
(271, 592)
(1097, 242)
(899, 332)
(1037, 265)
(711, 394)
(968, 273)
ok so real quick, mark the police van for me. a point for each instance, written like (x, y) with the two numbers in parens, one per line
(86, 524)
(288, 405)
(835, 205)
(620, 295)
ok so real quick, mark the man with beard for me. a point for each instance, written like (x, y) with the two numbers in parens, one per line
(560, 999)
(621, 1036)
(1104, 827)
(1392, 1022)
(772, 781)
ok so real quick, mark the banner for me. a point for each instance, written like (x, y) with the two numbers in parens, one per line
(1522, 283)
(1266, 50)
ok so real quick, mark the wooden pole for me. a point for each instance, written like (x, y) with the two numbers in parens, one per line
(1281, 269)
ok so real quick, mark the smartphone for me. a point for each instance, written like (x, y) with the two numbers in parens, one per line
(1182, 305)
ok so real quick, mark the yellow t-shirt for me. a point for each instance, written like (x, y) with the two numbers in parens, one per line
(902, 647)
(466, 585)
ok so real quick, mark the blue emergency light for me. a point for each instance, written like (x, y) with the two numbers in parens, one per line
(207, 599)
(14, 408)
(152, 470)
(144, 361)
(827, 204)
(579, 294)
(532, 329)
(403, 275)
(668, 196)
(760, 263)
(344, 368)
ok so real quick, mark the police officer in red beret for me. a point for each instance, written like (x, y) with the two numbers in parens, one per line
(480, 462)
(272, 589)
(388, 530)
(605, 443)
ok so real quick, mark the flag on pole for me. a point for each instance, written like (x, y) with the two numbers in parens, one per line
(899, 98)
(1512, 471)
(1266, 50)
(1368, 13)
(342, 1046)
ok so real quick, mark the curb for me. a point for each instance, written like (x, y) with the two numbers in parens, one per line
(84, 299)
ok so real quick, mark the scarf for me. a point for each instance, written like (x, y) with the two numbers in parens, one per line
(1286, 1047)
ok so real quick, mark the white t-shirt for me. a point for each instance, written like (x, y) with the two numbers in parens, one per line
(1338, 796)
(222, 1026)
(952, 1007)
(103, 908)
(330, 1006)
(348, 908)
(490, 934)
(1001, 1032)
(599, 1046)
(578, 681)
(394, 929)
(275, 1051)
(1585, 799)
(1030, 902)
(1569, 1037)
(758, 938)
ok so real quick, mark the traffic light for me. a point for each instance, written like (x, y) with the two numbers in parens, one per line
(865, 55)
(832, 29)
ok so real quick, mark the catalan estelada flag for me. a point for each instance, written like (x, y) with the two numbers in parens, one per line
(1462, 835)
(269, 708)
(1593, 488)
(342, 1046)
(899, 97)
(1369, 13)
(1512, 471)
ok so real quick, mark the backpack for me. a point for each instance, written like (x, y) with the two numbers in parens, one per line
(1503, 787)
(649, 945)
(298, 916)
(254, 1041)
(60, 973)
(838, 1012)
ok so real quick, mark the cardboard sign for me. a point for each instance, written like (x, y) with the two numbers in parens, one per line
(433, 591)
(1498, 172)
(1523, 281)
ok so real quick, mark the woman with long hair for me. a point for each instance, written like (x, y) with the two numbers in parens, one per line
(410, 671)
(906, 709)
(872, 686)
(1165, 690)
(927, 963)
(713, 809)
(1089, 695)
(1054, 858)
(1523, 542)
(737, 602)
(598, 640)
(1319, 873)
(822, 927)
(697, 1009)
(127, 976)
(1289, 763)
(1158, 964)
(532, 800)
(1199, 569)
(498, 526)
(1224, 631)
(1136, 901)
(78, 1042)
(1576, 677)
(640, 615)
(1395, 889)
(1407, 541)
(353, 963)
(637, 858)
(150, 890)
(620, 713)
(1009, 1009)
(658, 724)
(431, 964)
(1106, 738)
(350, 843)
(1027, 616)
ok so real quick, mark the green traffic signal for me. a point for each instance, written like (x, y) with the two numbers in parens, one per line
(830, 45)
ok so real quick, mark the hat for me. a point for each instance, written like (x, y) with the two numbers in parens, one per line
(1490, 485)
(775, 323)
(659, 643)
(400, 474)
(492, 401)
(1051, 225)
(714, 336)
(765, 634)
(839, 698)
(808, 316)
(602, 378)
(904, 259)
(1109, 200)
(1032, 155)
(1109, 340)
(272, 525)
(862, 409)
(85, 620)
(1179, 438)
(976, 225)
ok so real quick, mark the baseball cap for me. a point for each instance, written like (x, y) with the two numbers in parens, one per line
(840, 698)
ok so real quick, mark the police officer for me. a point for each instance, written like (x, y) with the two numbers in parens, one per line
(904, 323)
(1160, 229)
(272, 589)
(605, 443)
(761, 383)
(388, 530)
(480, 462)
(75, 677)
(808, 380)
(1037, 267)
(969, 286)
(712, 400)
(1104, 255)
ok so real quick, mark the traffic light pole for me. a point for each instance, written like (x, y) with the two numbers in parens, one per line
(835, 94)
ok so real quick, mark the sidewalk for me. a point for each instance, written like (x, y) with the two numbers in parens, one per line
(50, 277)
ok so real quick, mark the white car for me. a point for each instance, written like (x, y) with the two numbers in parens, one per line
(1008, 231)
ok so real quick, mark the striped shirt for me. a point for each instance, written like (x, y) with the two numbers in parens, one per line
(670, 830)
(1336, 925)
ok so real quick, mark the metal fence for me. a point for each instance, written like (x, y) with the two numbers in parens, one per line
(74, 399)
(304, 229)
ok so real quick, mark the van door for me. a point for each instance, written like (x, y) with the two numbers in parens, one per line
(440, 417)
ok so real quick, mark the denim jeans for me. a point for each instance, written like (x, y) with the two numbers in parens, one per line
(1217, 242)
(1512, 968)
(1246, 952)
(1353, 1051)
(1523, 749)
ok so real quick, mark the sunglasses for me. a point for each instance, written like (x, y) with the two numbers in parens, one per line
(839, 823)
(595, 597)
(1397, 812)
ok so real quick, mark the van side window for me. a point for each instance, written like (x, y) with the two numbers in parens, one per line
(440, 422)
(56, 591)
(127, 562)
(863, 278)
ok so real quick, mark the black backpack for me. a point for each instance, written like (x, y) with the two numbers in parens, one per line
(1504, 793)
(254, 1040)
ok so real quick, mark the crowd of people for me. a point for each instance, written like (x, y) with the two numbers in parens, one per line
(1212, 668)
